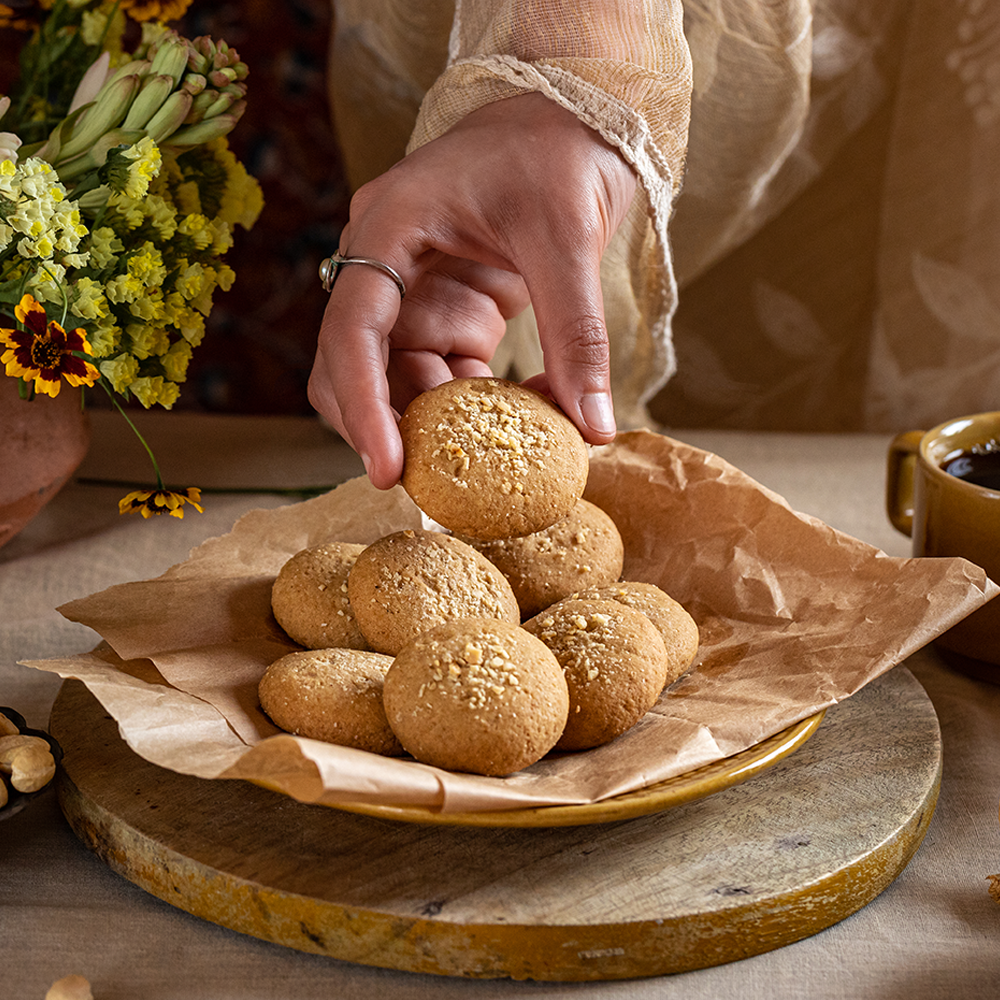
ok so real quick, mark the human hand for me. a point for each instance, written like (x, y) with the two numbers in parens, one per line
(514, 204)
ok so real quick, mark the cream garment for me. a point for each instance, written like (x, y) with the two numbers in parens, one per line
(835, 241)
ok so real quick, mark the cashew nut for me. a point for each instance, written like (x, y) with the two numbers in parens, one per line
(33, 768)
(70, 988)
(11, 746)
(7, 727)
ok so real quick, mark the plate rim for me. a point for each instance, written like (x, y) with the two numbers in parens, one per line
(661, 796)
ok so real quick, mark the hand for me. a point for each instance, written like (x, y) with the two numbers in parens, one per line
(514, 204)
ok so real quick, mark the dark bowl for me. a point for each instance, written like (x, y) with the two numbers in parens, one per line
(16, 800)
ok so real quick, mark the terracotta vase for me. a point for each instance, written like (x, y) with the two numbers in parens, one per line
(41, 445)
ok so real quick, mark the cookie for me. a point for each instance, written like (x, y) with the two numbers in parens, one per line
(488, 458)
(676, 627)
(410, 581)
(333, 695)
(614, 663)
(309, 597)
(582, 550)
(476, 695)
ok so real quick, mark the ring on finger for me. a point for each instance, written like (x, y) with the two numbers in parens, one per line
(330, 268)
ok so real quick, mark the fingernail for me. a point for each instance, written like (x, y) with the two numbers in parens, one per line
(367, 463)
(598, 412)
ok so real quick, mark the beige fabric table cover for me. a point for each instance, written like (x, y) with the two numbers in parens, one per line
(934, 933)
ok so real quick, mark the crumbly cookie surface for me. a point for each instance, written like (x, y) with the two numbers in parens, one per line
(582, 550)
(333, 695)
(677, 628)
(310, 601)
(614, 663)
(488, 458)
(477, 695)
(410, 581)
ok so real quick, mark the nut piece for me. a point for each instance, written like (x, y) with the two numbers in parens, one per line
(7, 727)
(70, 988)
(33, 768)
(11, 746)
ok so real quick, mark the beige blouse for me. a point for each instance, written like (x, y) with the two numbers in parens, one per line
(815, 241)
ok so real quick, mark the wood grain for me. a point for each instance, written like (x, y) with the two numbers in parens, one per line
(752, 868)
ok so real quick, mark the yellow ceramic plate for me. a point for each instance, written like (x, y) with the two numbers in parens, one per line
(698, 784)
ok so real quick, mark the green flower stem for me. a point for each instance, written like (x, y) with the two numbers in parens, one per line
(135, 430)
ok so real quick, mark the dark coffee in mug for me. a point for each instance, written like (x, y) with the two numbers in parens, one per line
(943, 489)
(979, 465)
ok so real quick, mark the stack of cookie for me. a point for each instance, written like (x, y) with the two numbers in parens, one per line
(482, 649)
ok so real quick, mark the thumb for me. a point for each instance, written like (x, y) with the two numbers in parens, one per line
(574, 341)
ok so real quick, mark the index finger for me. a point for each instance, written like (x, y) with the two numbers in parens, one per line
(349, 385)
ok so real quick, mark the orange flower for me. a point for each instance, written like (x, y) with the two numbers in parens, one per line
(43, 352)
(155, 10)
(150, 502)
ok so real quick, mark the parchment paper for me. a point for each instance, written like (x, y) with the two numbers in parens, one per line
(794, 616)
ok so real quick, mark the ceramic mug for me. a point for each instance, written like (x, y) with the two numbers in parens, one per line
(954, 513)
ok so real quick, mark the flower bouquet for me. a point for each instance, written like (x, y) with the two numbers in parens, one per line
(118, 200)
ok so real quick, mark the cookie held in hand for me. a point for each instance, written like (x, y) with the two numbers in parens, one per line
(488, 458)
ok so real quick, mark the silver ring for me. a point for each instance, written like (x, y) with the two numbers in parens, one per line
(330, 267)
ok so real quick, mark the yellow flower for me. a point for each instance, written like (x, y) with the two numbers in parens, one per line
(150, 502)
(46, 285)
(188, 321)
(95, 29)
(197, 228)
(162, 215)
(175, 361)
(37, 209)
(147, 265)
(152, 389)
(88, 299)
(124, 288)
(243, 199)
(105, 246)
(147, 340)
(43, 352)
(190, 281)
(120, 371)
(105, 336)
(149, 306)
(129, 170)
(222, 237)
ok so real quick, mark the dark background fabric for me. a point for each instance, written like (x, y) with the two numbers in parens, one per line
(261, 335)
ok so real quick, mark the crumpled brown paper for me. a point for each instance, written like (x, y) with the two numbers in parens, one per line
(794, 616)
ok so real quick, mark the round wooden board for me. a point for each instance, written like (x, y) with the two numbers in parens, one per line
(752, 868)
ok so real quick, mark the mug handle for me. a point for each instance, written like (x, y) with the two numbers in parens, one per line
(901, 462)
